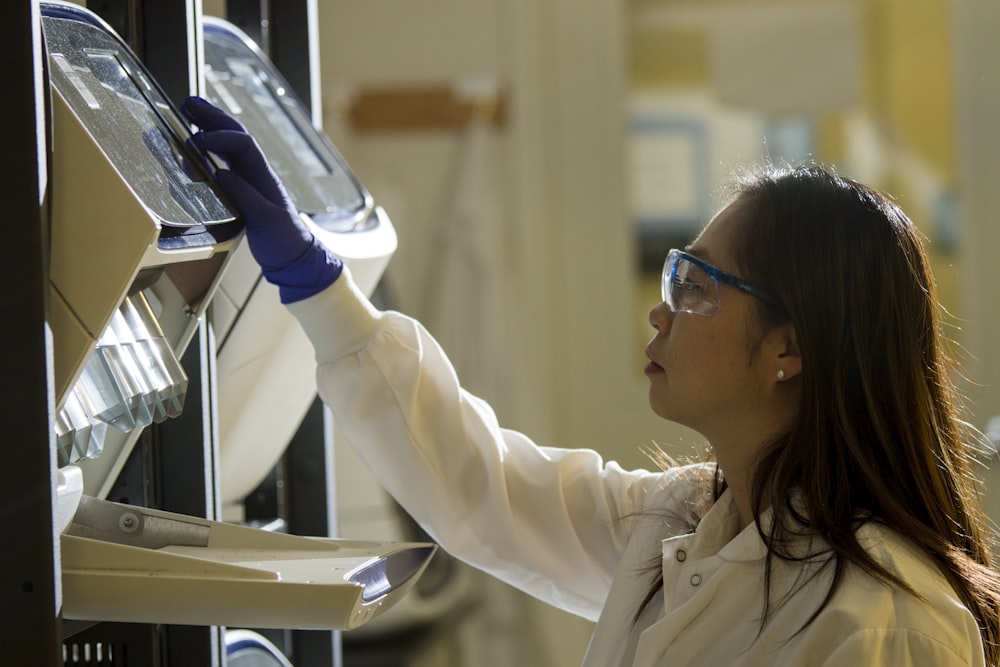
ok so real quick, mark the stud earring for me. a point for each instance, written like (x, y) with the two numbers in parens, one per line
(781, 375)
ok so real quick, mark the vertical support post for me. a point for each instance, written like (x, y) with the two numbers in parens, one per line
(186, 460)
(309, 508)
(294, 50)
(172, 46)
(31, 633)
(186, 447)
(251, 17)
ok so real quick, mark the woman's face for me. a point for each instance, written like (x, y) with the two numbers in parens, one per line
(701, 373)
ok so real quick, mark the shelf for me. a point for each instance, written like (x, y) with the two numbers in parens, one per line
(132, 564)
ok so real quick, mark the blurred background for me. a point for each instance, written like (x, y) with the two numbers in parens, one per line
(538, 158)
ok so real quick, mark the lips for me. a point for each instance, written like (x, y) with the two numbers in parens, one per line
(652, 366)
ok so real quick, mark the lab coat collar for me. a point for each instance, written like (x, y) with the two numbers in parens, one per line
(720, 528)
(718, 534)
(747, 545)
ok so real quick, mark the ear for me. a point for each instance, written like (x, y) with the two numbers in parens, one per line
(783, 347)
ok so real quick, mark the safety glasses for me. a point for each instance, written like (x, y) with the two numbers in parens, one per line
(691, 285)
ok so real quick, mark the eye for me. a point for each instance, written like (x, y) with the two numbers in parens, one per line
(688, 285)
(688, 293)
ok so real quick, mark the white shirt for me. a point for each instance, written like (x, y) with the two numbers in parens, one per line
(588, 536)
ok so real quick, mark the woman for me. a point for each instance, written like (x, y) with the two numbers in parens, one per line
(799, 333)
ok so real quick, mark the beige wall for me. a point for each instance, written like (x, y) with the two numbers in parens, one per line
(977, 144)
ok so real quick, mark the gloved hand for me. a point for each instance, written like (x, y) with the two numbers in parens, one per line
(288, 253)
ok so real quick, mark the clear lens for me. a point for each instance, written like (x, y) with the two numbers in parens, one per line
(687, 288)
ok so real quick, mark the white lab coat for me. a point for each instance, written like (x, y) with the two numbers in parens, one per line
(587, 536)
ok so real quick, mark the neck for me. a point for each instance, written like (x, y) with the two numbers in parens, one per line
(740, 442)
(739, 479)
(737, 457)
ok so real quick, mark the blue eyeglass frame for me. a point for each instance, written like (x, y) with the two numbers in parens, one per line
(715, 273)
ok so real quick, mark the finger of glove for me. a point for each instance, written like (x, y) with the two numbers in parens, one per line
(246, 197)
(276, 235)
(243, 156)
(207, 116)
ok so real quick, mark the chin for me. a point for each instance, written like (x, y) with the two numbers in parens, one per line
(663, 411)
(669, 412)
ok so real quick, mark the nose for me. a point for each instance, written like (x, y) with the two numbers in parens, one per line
(660, 317)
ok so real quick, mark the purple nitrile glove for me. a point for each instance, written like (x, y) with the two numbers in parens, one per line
(288, 253)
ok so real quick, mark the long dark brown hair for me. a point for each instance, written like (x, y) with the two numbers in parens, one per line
(877, 436)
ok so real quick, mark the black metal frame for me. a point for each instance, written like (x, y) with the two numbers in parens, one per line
(289, 46)
(184, 454)
(309, 510)
(251, 16)
(30, 594)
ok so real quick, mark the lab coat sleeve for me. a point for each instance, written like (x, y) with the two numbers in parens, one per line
(552, 522)
(899, 646)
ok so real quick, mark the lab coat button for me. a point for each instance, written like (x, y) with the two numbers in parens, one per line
(695, 579)
(681, 555)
